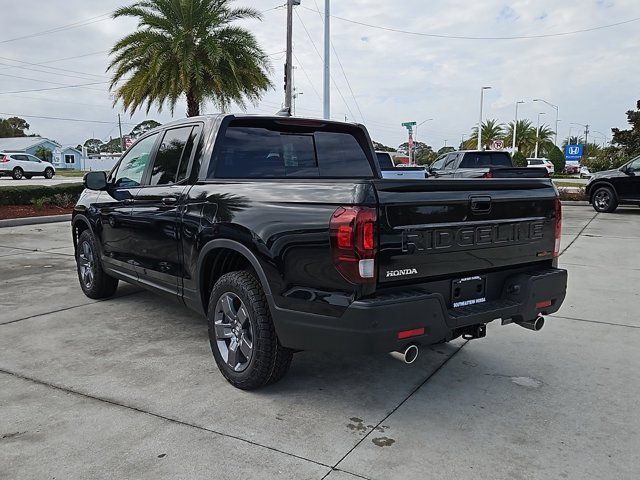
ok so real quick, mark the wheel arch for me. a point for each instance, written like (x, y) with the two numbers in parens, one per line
(79, 224)
(222, 256)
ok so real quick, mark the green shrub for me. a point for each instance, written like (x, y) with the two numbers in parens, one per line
(63, 200)
(519, 160)
(40, 203)
(557, 158)
(26, 194)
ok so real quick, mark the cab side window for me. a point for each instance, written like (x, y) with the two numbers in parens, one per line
(172, 160)
(438, 164)
(134, 162)
(634, 166)
(450, 161)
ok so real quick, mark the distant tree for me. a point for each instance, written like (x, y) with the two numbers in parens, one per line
(525, 135)
(491, 130)
(629, 140)
(573, 140)
(422, 154)
(519, 160)
(379, 147)
(114, 145)
(143, 127)
(606, 159)
(13, 127)
(557, 158)
(93, 145)
(193, 49)
(446, 150)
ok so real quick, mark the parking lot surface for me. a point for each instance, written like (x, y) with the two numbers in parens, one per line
(127, 388)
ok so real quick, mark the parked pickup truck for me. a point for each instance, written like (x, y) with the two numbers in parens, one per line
(390, 170)
(481, 164)
(282, 232)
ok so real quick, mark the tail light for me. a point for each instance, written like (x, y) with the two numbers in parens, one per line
(354, 243)
(4, 158)
(558, 229)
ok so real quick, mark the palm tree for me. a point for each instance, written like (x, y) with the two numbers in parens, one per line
(491, 130)
(525, 135)
(190, 48)
(545, 140)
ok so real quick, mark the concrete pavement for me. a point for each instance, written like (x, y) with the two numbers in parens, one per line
(127, 388)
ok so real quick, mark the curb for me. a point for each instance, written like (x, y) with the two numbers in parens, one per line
(16, 222)
(576, 203)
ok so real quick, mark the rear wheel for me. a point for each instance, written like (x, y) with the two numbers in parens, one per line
(17, 173)
(48, 173)
(241, 333)
(94, 281)
(604, 200)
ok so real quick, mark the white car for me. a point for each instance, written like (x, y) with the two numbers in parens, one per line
(541, 162)
(23, 165)
(584, 172)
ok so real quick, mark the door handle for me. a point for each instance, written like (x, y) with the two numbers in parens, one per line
(127, 201)
(169, 200)
(481, 204)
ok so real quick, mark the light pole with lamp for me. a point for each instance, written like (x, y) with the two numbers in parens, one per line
(538, 134)
(515, 127)
(480, 120)
(557, 109)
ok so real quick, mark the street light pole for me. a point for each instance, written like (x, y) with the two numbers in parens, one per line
(327, 60)
(557, 109)
(515, 127)
(538, 134)
(415, 138)
(480, 120)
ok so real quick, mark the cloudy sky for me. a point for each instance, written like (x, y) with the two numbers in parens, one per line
(392, 77)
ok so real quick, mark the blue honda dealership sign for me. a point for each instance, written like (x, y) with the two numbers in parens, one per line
(573, 152)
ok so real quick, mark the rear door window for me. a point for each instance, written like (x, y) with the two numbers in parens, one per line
(172, 154)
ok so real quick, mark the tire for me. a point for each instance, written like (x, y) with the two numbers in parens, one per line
(241, 333)
(95, 283)
(604, 200)
(48, 173)
(17, 173)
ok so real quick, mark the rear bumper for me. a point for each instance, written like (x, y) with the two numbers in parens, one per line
(372, 325)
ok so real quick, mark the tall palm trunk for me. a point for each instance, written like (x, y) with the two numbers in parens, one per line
(193, 105)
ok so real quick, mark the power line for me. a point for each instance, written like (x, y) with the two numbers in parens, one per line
(58, 69)
(332, 79)
(465, 37)
(307, 75)
(55, 88)
(63, 119)
(45, 81)
(80, 23)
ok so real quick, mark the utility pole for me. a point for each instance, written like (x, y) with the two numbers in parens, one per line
(121, 138)
(327, 60)
(515, 127)
(586, 135)
(480, 121)
(288, 67)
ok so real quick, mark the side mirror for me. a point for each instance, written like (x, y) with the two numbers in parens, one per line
(95, 180)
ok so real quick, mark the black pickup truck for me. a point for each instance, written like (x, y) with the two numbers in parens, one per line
(481, 164)
(282, 232)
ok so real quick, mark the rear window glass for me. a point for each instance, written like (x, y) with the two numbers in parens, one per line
(271, 152)
(384, 160)
(486, 159)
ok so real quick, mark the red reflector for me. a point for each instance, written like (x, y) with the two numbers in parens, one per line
(367, 233)
(544, 304)
(411, 333)
(344, 236)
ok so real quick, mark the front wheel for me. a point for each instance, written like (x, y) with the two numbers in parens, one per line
(604, 200)
(48, 173)
(241, 333)
(95, 283)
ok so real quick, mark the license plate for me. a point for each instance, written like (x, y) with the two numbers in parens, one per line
(468, 291)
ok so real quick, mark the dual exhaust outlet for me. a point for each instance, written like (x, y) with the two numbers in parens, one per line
(409, 354)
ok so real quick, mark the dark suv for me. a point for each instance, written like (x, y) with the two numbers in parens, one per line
(606, 190)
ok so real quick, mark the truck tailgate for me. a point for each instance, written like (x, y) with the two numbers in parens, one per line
(455, 227)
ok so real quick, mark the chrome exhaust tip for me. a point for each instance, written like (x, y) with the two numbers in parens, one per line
(408, 355)
(535, 324)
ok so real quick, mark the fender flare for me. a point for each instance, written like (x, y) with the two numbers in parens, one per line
(241, 249)
(79, 217)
